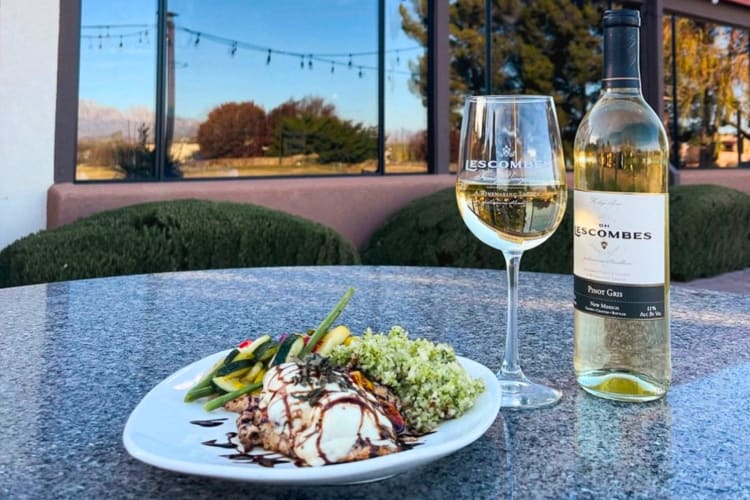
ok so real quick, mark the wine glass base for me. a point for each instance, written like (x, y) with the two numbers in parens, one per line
(525, 394)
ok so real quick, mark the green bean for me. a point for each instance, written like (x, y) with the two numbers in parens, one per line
(221, 400)
(326, 323)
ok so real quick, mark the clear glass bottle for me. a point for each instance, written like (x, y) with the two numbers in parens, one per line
(621, 240)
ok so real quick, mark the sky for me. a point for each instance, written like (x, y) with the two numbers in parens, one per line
(210, 72)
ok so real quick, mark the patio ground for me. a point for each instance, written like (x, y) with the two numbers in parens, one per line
(735, 282)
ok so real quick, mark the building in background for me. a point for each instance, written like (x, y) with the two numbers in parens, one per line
(175, 90)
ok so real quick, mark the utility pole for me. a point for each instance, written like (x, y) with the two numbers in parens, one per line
(169, 130)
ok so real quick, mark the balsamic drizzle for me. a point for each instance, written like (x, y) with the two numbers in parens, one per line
(214, 422)
(316, 372)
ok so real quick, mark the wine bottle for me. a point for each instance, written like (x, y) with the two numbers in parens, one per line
(621, 240)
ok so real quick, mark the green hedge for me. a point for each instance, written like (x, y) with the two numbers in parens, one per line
(172, 236)
(710, 232)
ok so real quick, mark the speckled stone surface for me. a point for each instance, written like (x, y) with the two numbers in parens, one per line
(77, 357)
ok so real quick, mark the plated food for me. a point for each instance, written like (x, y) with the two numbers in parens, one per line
(165, 432)
(330, 397)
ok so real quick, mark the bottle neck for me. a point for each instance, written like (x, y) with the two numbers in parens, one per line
(622, 59)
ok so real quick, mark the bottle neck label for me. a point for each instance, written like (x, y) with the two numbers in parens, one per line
(621, 58)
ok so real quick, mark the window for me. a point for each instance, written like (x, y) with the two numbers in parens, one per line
(116, 114)
(405, 87)
(533, 50)
(247, 89)
(706, 68)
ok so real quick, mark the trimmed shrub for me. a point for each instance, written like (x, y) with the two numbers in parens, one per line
(430, 232)
(709, 231)
(172, 236)
(709, 235)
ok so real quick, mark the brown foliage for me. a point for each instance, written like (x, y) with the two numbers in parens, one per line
(234, 130)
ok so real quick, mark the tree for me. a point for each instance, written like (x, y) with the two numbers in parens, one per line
(233, 130)
(538, 46)
(290, 122)
(310, 126)
(711, 80)
(343, 141)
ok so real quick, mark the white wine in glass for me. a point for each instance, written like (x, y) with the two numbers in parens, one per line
(511, 193)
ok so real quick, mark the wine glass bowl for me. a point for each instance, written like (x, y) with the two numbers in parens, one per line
(511, 193)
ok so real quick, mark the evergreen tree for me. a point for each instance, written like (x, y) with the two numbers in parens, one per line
(538, 47)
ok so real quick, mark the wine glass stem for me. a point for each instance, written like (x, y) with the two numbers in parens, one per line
(511, 367)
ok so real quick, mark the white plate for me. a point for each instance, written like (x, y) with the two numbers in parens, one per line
(159, 433)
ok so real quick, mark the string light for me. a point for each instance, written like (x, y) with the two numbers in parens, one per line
(306, 59)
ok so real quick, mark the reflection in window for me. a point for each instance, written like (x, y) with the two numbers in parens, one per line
(117, 90)
(534, 50)
(711, 127)
(272, 88)
(405, 89)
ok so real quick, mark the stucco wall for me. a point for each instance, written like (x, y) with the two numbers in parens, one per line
(28, 91)
(353, 206)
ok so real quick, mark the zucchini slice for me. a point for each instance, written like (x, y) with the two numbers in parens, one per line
(228, 383)
(249, 377)
(266, 351)
(235, 368)
(249, 351)
(290, 348)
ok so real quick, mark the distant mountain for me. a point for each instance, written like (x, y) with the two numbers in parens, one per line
(96, 120)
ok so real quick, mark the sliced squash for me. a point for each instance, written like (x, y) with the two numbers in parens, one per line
(334, 337)
(249, 351)
(249, 378)
(289, 348)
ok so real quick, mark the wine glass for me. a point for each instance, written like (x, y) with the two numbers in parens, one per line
(511, 194)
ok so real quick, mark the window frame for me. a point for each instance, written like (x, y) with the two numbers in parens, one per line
(66, 118)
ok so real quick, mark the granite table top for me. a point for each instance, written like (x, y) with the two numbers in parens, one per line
(77, 357)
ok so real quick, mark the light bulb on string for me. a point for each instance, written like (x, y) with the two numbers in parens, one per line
(360, 72)
(233, 50)
(350, 62)
(333, 68)
(268, 59)
(398, 58)
(100, 41)
(301, 62)
(309, 62)
(120, 41)
(197, 39)
(140, 38)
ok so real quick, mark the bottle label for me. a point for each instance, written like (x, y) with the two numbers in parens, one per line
(618, 254)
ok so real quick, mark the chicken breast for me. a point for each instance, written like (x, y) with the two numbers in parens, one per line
(317, 415)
